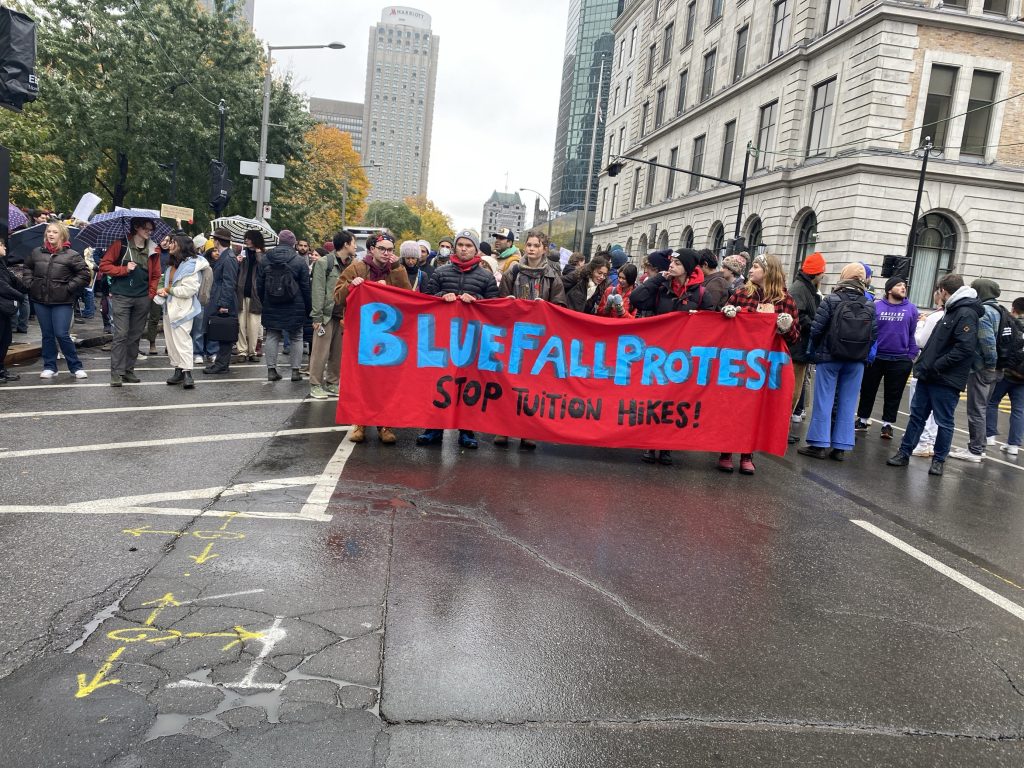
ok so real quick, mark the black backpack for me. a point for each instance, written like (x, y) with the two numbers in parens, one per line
(280, 286)
(1009, 342)
(849, 335)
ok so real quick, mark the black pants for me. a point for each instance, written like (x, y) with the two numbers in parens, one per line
(895, 374)
(6, 329)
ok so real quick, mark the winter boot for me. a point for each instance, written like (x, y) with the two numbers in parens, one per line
(273, 375)
(188, 383)
(387, 435)
(177, 377)
(358, 434)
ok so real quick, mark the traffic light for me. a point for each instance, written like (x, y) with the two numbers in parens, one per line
(736, 245)
(614, 168)
(220, 186)
(18, 81)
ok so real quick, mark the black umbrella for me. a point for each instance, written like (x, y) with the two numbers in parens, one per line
(21, 243)
(106, 228)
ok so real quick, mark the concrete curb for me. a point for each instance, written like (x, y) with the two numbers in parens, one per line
(26, 353)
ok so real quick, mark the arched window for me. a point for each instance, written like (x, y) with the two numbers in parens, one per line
(806, 240)
(716, 239)
(755, 237)
(663, 240)
(629, 246)
(688, 237)
(643, 244)
(933, 257)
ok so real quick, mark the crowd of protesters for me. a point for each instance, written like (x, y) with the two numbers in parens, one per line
(217, 301)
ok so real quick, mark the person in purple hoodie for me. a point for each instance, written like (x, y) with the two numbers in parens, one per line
(895, 352)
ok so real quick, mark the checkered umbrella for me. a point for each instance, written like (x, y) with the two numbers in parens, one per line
(239, 225)
(106, 228)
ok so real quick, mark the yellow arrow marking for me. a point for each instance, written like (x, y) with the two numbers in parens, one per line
(166, 601)
(240, 635)
(98, 681)
(136, 532)
(205, 535)
(230, 517)
(204, 555)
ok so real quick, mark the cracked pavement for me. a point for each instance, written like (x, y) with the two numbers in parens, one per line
(569, 607)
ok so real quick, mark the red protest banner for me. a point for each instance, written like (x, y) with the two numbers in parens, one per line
(700, 382)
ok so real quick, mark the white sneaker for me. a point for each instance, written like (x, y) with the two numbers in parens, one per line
(48, 374)
(1009, 450)
(990, 440)
(198, 360)
(81, 374)
(797, 418)
(965, 455)
(927, 451)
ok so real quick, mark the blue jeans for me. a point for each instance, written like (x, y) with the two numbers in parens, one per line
(200, 345)
(88, 303)
(836, 384)
(931, 400)
(55, 323)
(1015, 389)
(21, 319)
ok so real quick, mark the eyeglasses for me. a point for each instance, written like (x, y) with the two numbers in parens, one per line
(386, 250)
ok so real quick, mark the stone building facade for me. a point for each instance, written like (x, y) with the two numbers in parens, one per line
(503, 209)
(835, 99)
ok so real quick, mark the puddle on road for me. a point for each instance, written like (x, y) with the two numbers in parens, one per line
(93, 624)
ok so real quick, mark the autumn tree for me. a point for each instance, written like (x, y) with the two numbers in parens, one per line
(313, 189)
(434, 223)
(395, 216)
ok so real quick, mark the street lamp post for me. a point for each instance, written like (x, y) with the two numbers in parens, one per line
(265, 122)
(927, 146)
(546, 203)
(344, 192)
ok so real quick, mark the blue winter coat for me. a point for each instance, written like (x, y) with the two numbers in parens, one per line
(292, 316)
(225, 281)
(820, 346)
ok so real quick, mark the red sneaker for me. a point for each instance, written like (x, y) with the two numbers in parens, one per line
(747, 464)
(725, 463)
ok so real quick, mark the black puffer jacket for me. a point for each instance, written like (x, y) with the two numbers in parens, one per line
(55, 278)
(11, 291)
(225, 282)
(822, 323)
(293, 315)
(655, 295)
(477, 282)
(576, 293)
(949, 354)
(807, 301)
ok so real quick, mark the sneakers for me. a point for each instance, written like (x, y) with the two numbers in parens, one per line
(796, 418)
(924, 451)
(665, 458)
(725, 463)
(467, 440)
(746, 464)
(648, 457)
(965, 455)
(1009, 450)
(527, 445)
(387, 435)
(990, 440)
(81, 374)
(936, 468)
(48, 374)
(899, 460)
(861, 425)
(358, 434)
(813, 451)
(430, 437)
(837, 454)
(318, 393)
(198, 360)
(501, 441)
(331, 390)
(886, 433)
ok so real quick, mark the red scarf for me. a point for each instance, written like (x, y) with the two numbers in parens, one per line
(377, 272)
(53, 249)
(466, 266)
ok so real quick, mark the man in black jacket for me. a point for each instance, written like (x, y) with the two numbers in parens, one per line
(463, 279)
(941, 370)
(222, 303)
(804, 291)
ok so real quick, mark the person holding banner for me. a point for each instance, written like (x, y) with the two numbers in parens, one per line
(462, 279)
(615, 302)
(678, 286)
(534, 278)
(585, 287)
(765, 291)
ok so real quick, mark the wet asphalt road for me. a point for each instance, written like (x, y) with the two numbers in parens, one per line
(569, 607)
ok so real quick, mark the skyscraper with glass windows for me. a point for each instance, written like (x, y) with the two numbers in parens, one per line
(398, 111)
(588, 44)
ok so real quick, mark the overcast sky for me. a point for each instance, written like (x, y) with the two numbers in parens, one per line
(496, 102)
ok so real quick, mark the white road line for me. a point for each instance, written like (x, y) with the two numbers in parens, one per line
(270, 638)
(320, 496)
(164, 368)
(993, 597)
(209, 493)
(191, 440)
(218, 597)
(91, 508)
(78, 384)
(987, 456)
(140, 408)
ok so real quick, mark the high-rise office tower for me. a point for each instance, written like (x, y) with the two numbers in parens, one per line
(588, 44)
(398, 111)
(243, 8)
(346, 116)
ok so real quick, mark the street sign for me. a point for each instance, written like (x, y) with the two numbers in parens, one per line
(177, 212)
(266, 189)
(273, 170)
(266, 211)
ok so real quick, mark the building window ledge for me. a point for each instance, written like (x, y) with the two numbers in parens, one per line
(712, 25)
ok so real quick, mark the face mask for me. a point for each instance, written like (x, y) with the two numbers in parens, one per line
(444, 253)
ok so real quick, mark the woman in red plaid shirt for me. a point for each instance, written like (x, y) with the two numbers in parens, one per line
(765, 291)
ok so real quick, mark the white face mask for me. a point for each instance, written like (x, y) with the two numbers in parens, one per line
(444, 252)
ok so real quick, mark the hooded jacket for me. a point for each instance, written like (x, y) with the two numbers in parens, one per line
(949, 354)
(845, 290)
(988, 324)
(576, 293)
(543, 282)
(655, 295)
(807, 301)
(293, 315)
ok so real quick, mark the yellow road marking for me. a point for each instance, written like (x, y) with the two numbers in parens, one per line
(99, 679)
(203, 556)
